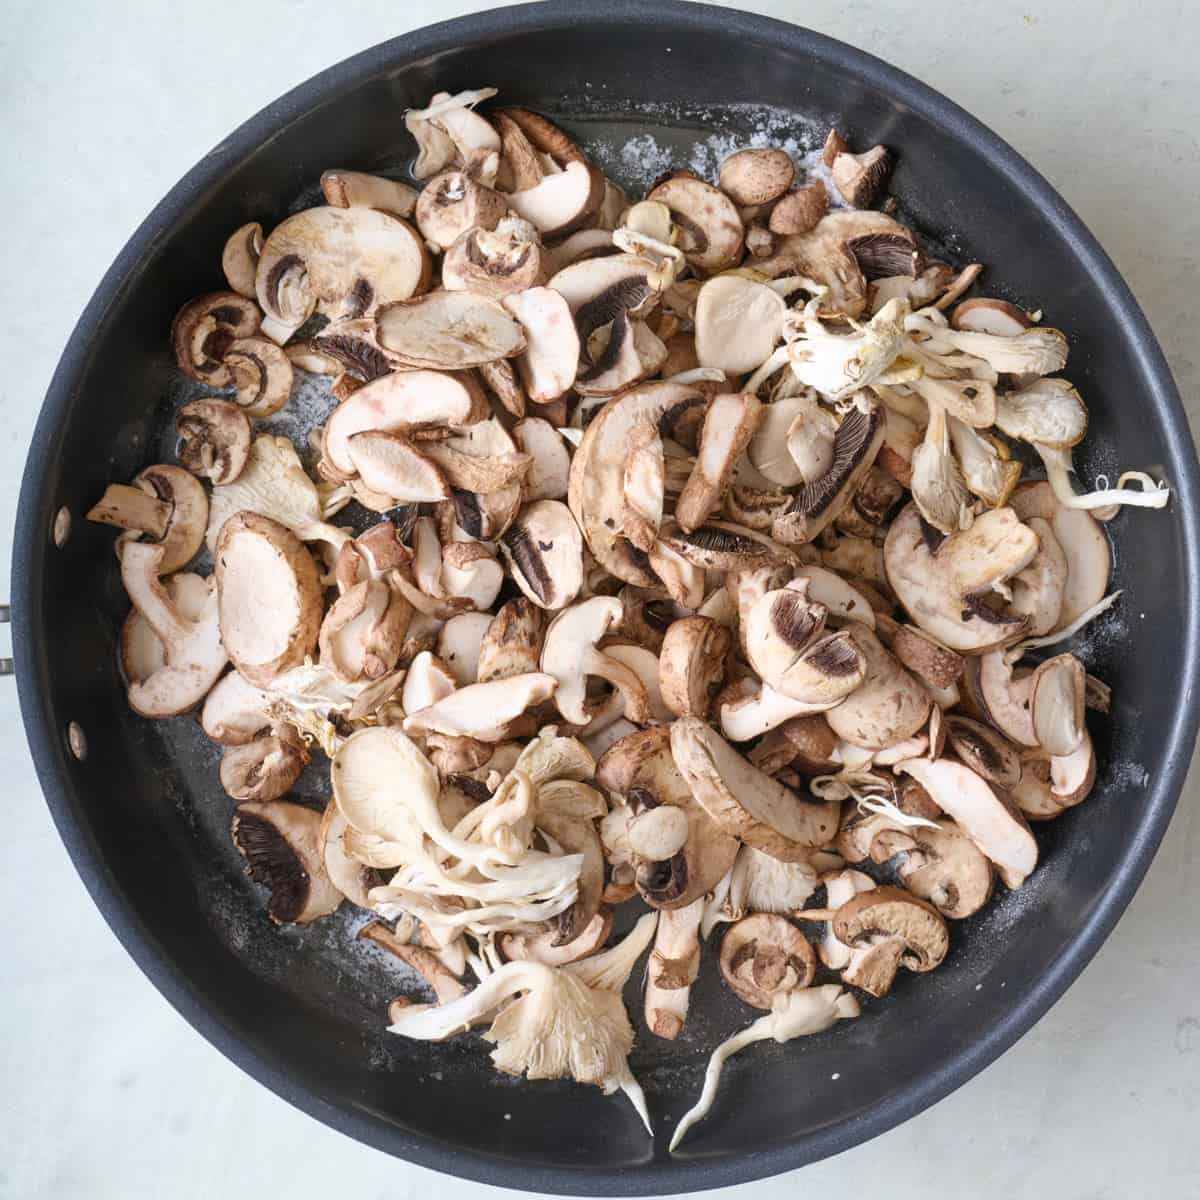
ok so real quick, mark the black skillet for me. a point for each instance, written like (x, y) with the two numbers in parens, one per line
(145, 821)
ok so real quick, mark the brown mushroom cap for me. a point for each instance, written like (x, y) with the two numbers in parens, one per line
(984, 750)
(203, 330)
(215, 439)
(450, 204)
(799, 211)
(239, 260)
(764, 956)
(902, 930)
(861, 177)
(756, 176)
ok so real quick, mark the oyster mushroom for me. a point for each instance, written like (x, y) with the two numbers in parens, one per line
(341, 262)
(263, 769)
(189, 657)
(351, 877)
(205, 328)
(855, 446)
(729, 424)
(987, 819)
(764, 956)
(551, 356)
(672, 968)
(448, 330)
(691, 665)
(355, 189)
(747, 804)
(541, 946)
(544, 552)
(166, 505)
(214, 439)
(268, 595)
(711, 233)
(887, 928)
(239, 259)
(756, 176)
(282, 848)
(640, 768)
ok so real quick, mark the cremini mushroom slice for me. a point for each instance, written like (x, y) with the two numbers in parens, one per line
(843, 601)
(983, 315)
(799, 211)
(356, 189)
(720, 546)
(263, 769)
(363, 631)
(861, 177)
(1056, 705)
(261, 374)
(544, 553)
(691, 665)
(710, 230)
(729, 424)
(570, 655)
(756, 176)
(214, 439)
(426, 962)
(551, 356)
(940, 865)
(448, 331)
(451, 204)
(561, 203)
(282, 847)
(855, 446)
(764, 956)
(887, 928)
(189, 656)
(943, 589)
(269, 596)
(340, 262)
(427, 681)
(397, 403)
(1073, 775)
(239, 259)
(483, 710)
(1003, 695)
(165, 504)
(987, 819)
(235, 711)
(460, 642)
(392, 465)
(761, 710)
(793, 1014)
(567, 810)
(512, 644)
(746, 803)
(550, 467)
(738, 323)
(672, 968)
(640, 768)
(496, 262)
(984, 750)
(621, 354)
(204, 329)
(794, 441)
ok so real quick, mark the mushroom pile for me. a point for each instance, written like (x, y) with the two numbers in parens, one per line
(690, 572)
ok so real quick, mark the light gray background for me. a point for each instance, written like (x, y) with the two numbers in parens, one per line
(106, 1092)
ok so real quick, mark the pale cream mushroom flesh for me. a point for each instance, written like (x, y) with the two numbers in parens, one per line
(705, 576)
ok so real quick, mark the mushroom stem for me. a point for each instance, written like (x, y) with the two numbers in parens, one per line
(1058, 473)
(674, 963)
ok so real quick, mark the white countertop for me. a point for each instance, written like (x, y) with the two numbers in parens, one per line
(107, 1092)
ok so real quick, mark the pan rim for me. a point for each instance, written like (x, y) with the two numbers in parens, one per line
(54, 767)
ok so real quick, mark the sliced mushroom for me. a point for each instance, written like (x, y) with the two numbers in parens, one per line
(239, 259)
(794, 441)
(720, 546)
(235, 711)
(428, 963)
(354, 189)
(269, 596)
(621, 354)
(448, 330)
(886, 929)
(544, 552)
(757, 176)
(1003, 696)
(520, 166)
(764, 956)
(738, 323)
(551, 355)
(188, 658)
(215, 439)
(746, 803)
(983, 315)
(799, 211)
(1056, 705)
(340, 262)
(672, 967)
(427, 681)
(542, 947)
(985, 751)
(842, 601)
(282, 846)
(729, 424)
(561, 203)
(263, 769)
(840, 888)
(460, 643)
(164, 503)
(391, 465)
(855, 446)
(987, 819)
(352, 878)
(940, 865)
(262, 375)
(547, 476)
(483, 710)
(1038, 590)
(711, 233)
(496, 262)
(861, 177)
(451, 204)
(691, 666)
(512, 644)
(759, 711)
(204, 329)
(363, 631)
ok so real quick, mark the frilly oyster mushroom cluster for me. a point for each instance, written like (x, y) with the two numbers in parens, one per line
(690, 569)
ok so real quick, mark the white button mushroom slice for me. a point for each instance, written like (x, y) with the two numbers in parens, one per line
(239, 259)
(810, 440)
(214, 439)
(392, 466)
(644, 664)
(942, 589)
(520, 165)
(711, 233)
(580, 246)
(483, 710)
(998, 830)
(356, 189)
(1056, 705)
(569, 655)
(764, 956)
(830, 590)
(1039, 589)
(460, 642)
(1081, 540)
(402, 401)
(1032, 793)
(658, 833)
(512, 644)
(283, 851)
(475, 139)
(729, 424)
(1072, 775)
(738, 323)
(551, 356)
(887, 928)
(597, 289)
(363, 631)
(793, 1014)
(560, 203)
(746, 803)
(478, 579)
(342, 262)
(546, 478)
(768, 451)
(448, 330)
(451, 204)
(544, 552)
(263, 769)
(683, 581)
(692, 663)
(269, 596)
(889, 706)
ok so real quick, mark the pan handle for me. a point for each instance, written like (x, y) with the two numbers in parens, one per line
(6, 664)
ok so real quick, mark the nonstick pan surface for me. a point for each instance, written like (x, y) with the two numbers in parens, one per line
(142, 813)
